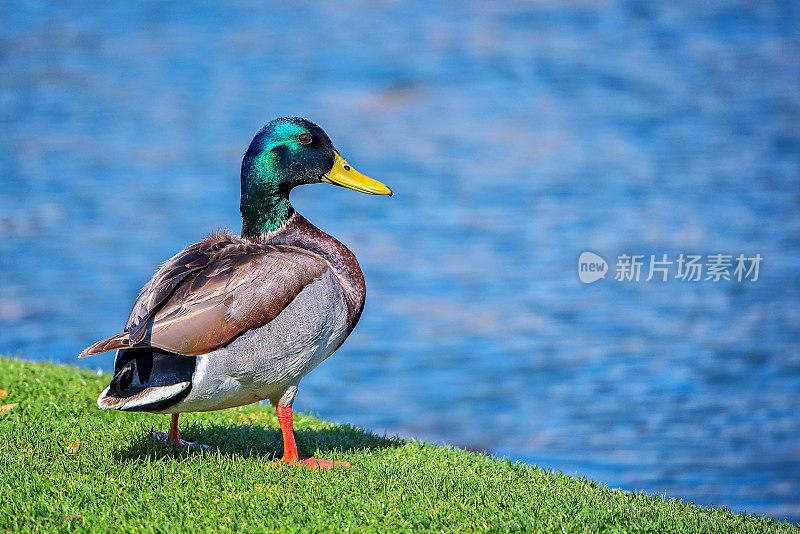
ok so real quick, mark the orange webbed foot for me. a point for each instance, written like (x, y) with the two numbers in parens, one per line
(315, 463)
(180, 443)
(290, 456)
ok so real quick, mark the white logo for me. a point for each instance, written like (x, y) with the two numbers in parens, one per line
(591, 267)
(662, 268)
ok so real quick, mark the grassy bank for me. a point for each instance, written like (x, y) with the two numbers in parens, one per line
(66, 466)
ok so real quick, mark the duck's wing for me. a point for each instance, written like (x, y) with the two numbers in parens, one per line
(212, 307)
(159, 289)
(163, 284)
(212, 292)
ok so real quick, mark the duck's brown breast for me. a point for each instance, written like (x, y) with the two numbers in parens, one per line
(300, 233)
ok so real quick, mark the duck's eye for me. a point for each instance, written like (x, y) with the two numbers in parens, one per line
(305, 139)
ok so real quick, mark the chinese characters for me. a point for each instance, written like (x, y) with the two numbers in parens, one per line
(687, 268)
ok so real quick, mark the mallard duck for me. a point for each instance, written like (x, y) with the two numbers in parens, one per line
(237, 319)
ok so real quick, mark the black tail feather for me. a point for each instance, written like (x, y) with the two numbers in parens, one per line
(148, 379)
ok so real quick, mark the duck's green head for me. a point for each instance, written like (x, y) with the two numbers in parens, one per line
(285, 153)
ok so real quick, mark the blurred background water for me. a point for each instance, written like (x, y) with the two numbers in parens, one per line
(515, 135)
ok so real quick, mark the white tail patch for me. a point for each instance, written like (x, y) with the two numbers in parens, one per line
(145, 397)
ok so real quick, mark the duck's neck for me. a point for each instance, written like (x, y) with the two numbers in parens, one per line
(264, 216)
(265, 203)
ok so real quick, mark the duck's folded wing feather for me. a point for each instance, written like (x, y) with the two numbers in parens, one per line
(163, 284)
(208, 295)
(216, 305)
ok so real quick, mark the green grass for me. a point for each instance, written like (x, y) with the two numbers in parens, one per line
(119, 480)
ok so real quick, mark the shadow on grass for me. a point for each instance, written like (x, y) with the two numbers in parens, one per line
(247, 441)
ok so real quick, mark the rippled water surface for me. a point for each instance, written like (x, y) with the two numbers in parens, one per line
(516, 136)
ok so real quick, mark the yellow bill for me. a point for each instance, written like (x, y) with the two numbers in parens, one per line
(346, 176)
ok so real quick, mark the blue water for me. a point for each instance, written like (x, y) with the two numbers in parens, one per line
(515, 136)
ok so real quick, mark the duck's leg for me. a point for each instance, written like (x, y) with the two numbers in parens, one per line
(174, 436)
(290, 455)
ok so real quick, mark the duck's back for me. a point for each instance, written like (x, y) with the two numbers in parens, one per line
(252, 318)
